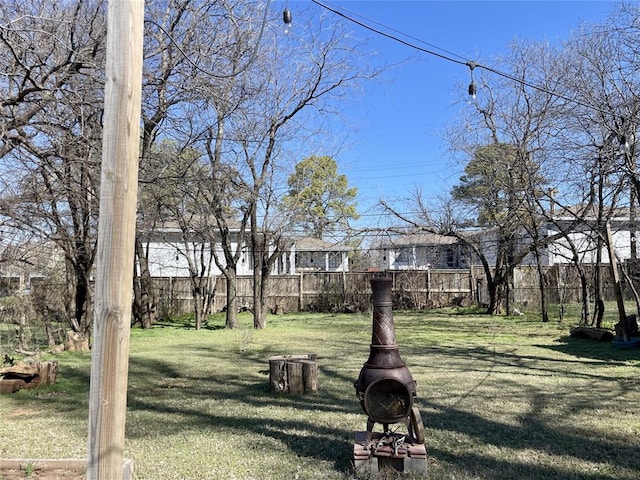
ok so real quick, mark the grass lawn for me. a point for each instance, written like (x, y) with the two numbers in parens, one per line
(501, 398)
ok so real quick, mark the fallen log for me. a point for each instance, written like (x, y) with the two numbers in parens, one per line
(593, 333)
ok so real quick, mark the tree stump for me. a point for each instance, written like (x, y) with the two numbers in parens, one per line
(295, 374)
(631, 325)
(76, 342)
(309, 376)
(24, 375)
(294, 377)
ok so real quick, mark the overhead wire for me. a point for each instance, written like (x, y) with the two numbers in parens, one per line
(448, 56)
(392, 37)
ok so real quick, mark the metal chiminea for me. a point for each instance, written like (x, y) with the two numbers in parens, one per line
(385, 386)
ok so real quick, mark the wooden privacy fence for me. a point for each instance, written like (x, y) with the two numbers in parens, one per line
(342, 291)
(412, 289)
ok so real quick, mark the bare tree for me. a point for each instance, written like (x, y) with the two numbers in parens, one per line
(198, 53)
(172, 206)
(171, 36)
(598, 62)
(503, 136)
(302, 90)
(218, 87)
(50, 132)
(262, 101)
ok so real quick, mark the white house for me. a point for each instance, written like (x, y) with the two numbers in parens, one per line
(23, 265)
(420, 252)
(583, 235)
(169, 254)
(316, 255)
(426, 250)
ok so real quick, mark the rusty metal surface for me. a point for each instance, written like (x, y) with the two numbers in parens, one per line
(385, 386)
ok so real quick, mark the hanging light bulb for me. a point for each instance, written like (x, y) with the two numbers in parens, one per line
(286, 18)
(472, 86)
(472, 90)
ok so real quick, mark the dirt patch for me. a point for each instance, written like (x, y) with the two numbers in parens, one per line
(51, 469)
(56, 474)
(24, 412)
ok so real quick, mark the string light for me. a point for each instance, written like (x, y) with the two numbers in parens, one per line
(472, 86)
(287, 19)
(449, 58)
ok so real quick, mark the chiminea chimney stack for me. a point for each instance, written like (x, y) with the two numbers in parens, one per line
(385, 386)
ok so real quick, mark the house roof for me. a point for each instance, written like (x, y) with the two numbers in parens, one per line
(419, 239)
(310, 244)
(588, 211)
(170, 224)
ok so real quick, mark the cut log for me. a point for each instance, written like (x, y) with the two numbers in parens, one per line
(277, 375)
(309, 376)
(11, 385)
(24, 375)
(76, 342)
(599, 334)
(67, 468)
(294, 377)
(295, 374)
(47, 372)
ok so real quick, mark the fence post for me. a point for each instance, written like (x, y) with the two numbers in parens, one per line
(300, 293)
(344, 287)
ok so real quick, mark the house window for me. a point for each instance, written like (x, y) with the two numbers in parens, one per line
(406, 258)
(335, 260)
(306, 260)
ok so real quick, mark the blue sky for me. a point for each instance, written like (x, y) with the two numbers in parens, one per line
(394, 140)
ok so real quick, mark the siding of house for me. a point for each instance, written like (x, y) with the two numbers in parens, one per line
(170, 260)
(559, 251)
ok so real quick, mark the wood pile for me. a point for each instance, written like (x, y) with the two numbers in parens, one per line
(27, 375)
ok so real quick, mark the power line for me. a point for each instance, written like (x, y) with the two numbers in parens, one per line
(449, 56)
(393, 37)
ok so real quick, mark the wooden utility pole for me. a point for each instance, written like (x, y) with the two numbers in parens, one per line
(116, 233)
